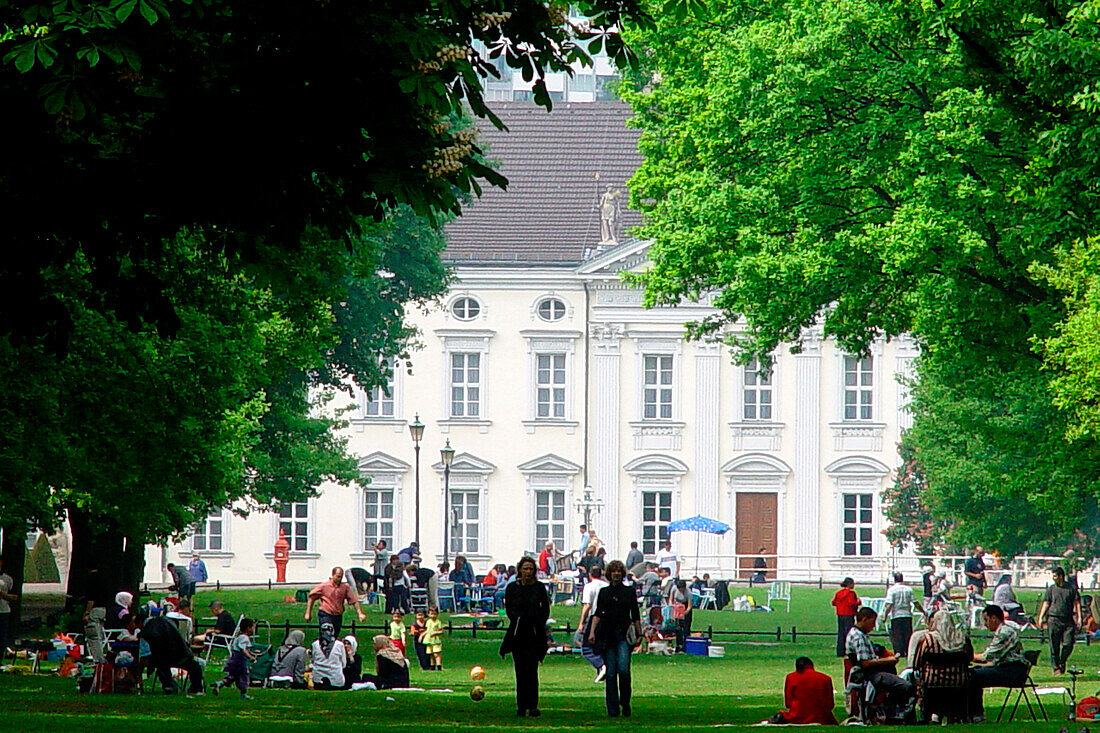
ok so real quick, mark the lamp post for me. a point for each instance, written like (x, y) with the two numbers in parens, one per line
(416, 430)
(447, 455)
(588, 504)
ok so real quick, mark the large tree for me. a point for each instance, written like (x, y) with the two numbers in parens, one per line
(254, 121)
(203, 229)
(885, 168)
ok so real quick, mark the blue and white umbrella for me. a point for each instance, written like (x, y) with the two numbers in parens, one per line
(700, 525)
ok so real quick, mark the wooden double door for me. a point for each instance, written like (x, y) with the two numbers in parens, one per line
(757, 527)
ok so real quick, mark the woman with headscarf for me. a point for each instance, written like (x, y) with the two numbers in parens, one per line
(353, 669)
(390, 665)
(329, 659)
(1005, 597)
(118, 609)
(942, 664)
(289, 665)
(528, 607)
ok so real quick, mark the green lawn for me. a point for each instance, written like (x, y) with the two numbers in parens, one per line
(673, 693)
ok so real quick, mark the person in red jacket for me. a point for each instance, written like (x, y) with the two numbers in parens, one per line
(847, 603)
(808, 695)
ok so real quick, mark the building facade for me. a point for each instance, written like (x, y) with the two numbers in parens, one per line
(546, 375)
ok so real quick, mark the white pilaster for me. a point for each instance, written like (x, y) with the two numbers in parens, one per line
(604, 458)
(707, 425)
(806, 492)
(906, 352)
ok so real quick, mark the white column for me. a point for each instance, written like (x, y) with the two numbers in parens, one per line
(906, 354)
(805, 495)
(707, 439)
(604, 459)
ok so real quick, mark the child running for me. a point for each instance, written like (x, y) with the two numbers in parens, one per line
(240, 654)
(398, 630)
(433, 638)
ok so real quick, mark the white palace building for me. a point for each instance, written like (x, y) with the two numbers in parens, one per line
(546, 375)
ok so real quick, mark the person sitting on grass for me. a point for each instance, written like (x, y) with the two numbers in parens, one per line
(391, 667)
(328, 659)
(808, 696)
(240, 654)
(1002, 664)
(289, 666)
(353, 669)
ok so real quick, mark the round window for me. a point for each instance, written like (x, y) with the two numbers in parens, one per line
(465, 309)
(551, 309)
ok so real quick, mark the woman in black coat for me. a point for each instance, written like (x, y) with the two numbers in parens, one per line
(616, 612)
(528, 607)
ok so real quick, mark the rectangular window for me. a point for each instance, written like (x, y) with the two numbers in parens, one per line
(378, 402)
(466, 385)
(858, 525)
(294, 523)
(549, 518)
(465, 522)
(378, 517)
(757, 394)
(858, 388)
(656, 514)
(657, 387)
(550, 386)
(208, 534)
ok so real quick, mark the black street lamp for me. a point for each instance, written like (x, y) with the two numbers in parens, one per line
(447, 455)
(416, 430)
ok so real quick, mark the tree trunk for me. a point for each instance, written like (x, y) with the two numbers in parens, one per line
(97, 543)
(14, 552)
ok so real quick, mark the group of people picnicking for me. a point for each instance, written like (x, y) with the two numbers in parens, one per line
(945, 677)
(944, 680)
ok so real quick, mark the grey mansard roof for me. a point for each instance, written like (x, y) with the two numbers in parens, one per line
(557, 165)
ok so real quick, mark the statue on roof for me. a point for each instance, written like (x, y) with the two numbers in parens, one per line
(609, 216)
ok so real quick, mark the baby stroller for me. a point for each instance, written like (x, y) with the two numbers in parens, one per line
(260, 669)
(658, 629)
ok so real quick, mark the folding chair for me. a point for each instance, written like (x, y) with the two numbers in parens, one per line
(1032, 658)
(446, 594)
(222, 641)
(780, 590)
(419, 599)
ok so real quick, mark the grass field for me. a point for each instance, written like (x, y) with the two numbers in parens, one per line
(671, 693)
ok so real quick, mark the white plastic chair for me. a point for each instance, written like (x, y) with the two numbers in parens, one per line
(780, 590)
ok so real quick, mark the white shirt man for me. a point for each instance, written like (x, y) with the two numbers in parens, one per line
(899, 609)
(590, 592)
(666, 558)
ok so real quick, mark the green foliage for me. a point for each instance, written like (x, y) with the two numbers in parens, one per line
(885, 168)
(40, 566)
(905, 506)
(264, 121)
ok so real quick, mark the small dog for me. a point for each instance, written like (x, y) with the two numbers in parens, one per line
(659, 646)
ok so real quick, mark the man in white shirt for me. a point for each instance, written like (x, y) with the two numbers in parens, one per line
(899, 609)
(666, 558)
(588, 605)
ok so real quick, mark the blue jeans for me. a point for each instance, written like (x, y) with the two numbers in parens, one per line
(617, 682)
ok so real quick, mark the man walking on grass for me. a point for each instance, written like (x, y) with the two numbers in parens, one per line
(334, 594)
(1061, 613)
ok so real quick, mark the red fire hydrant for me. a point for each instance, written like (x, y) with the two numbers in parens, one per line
(282, 554)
